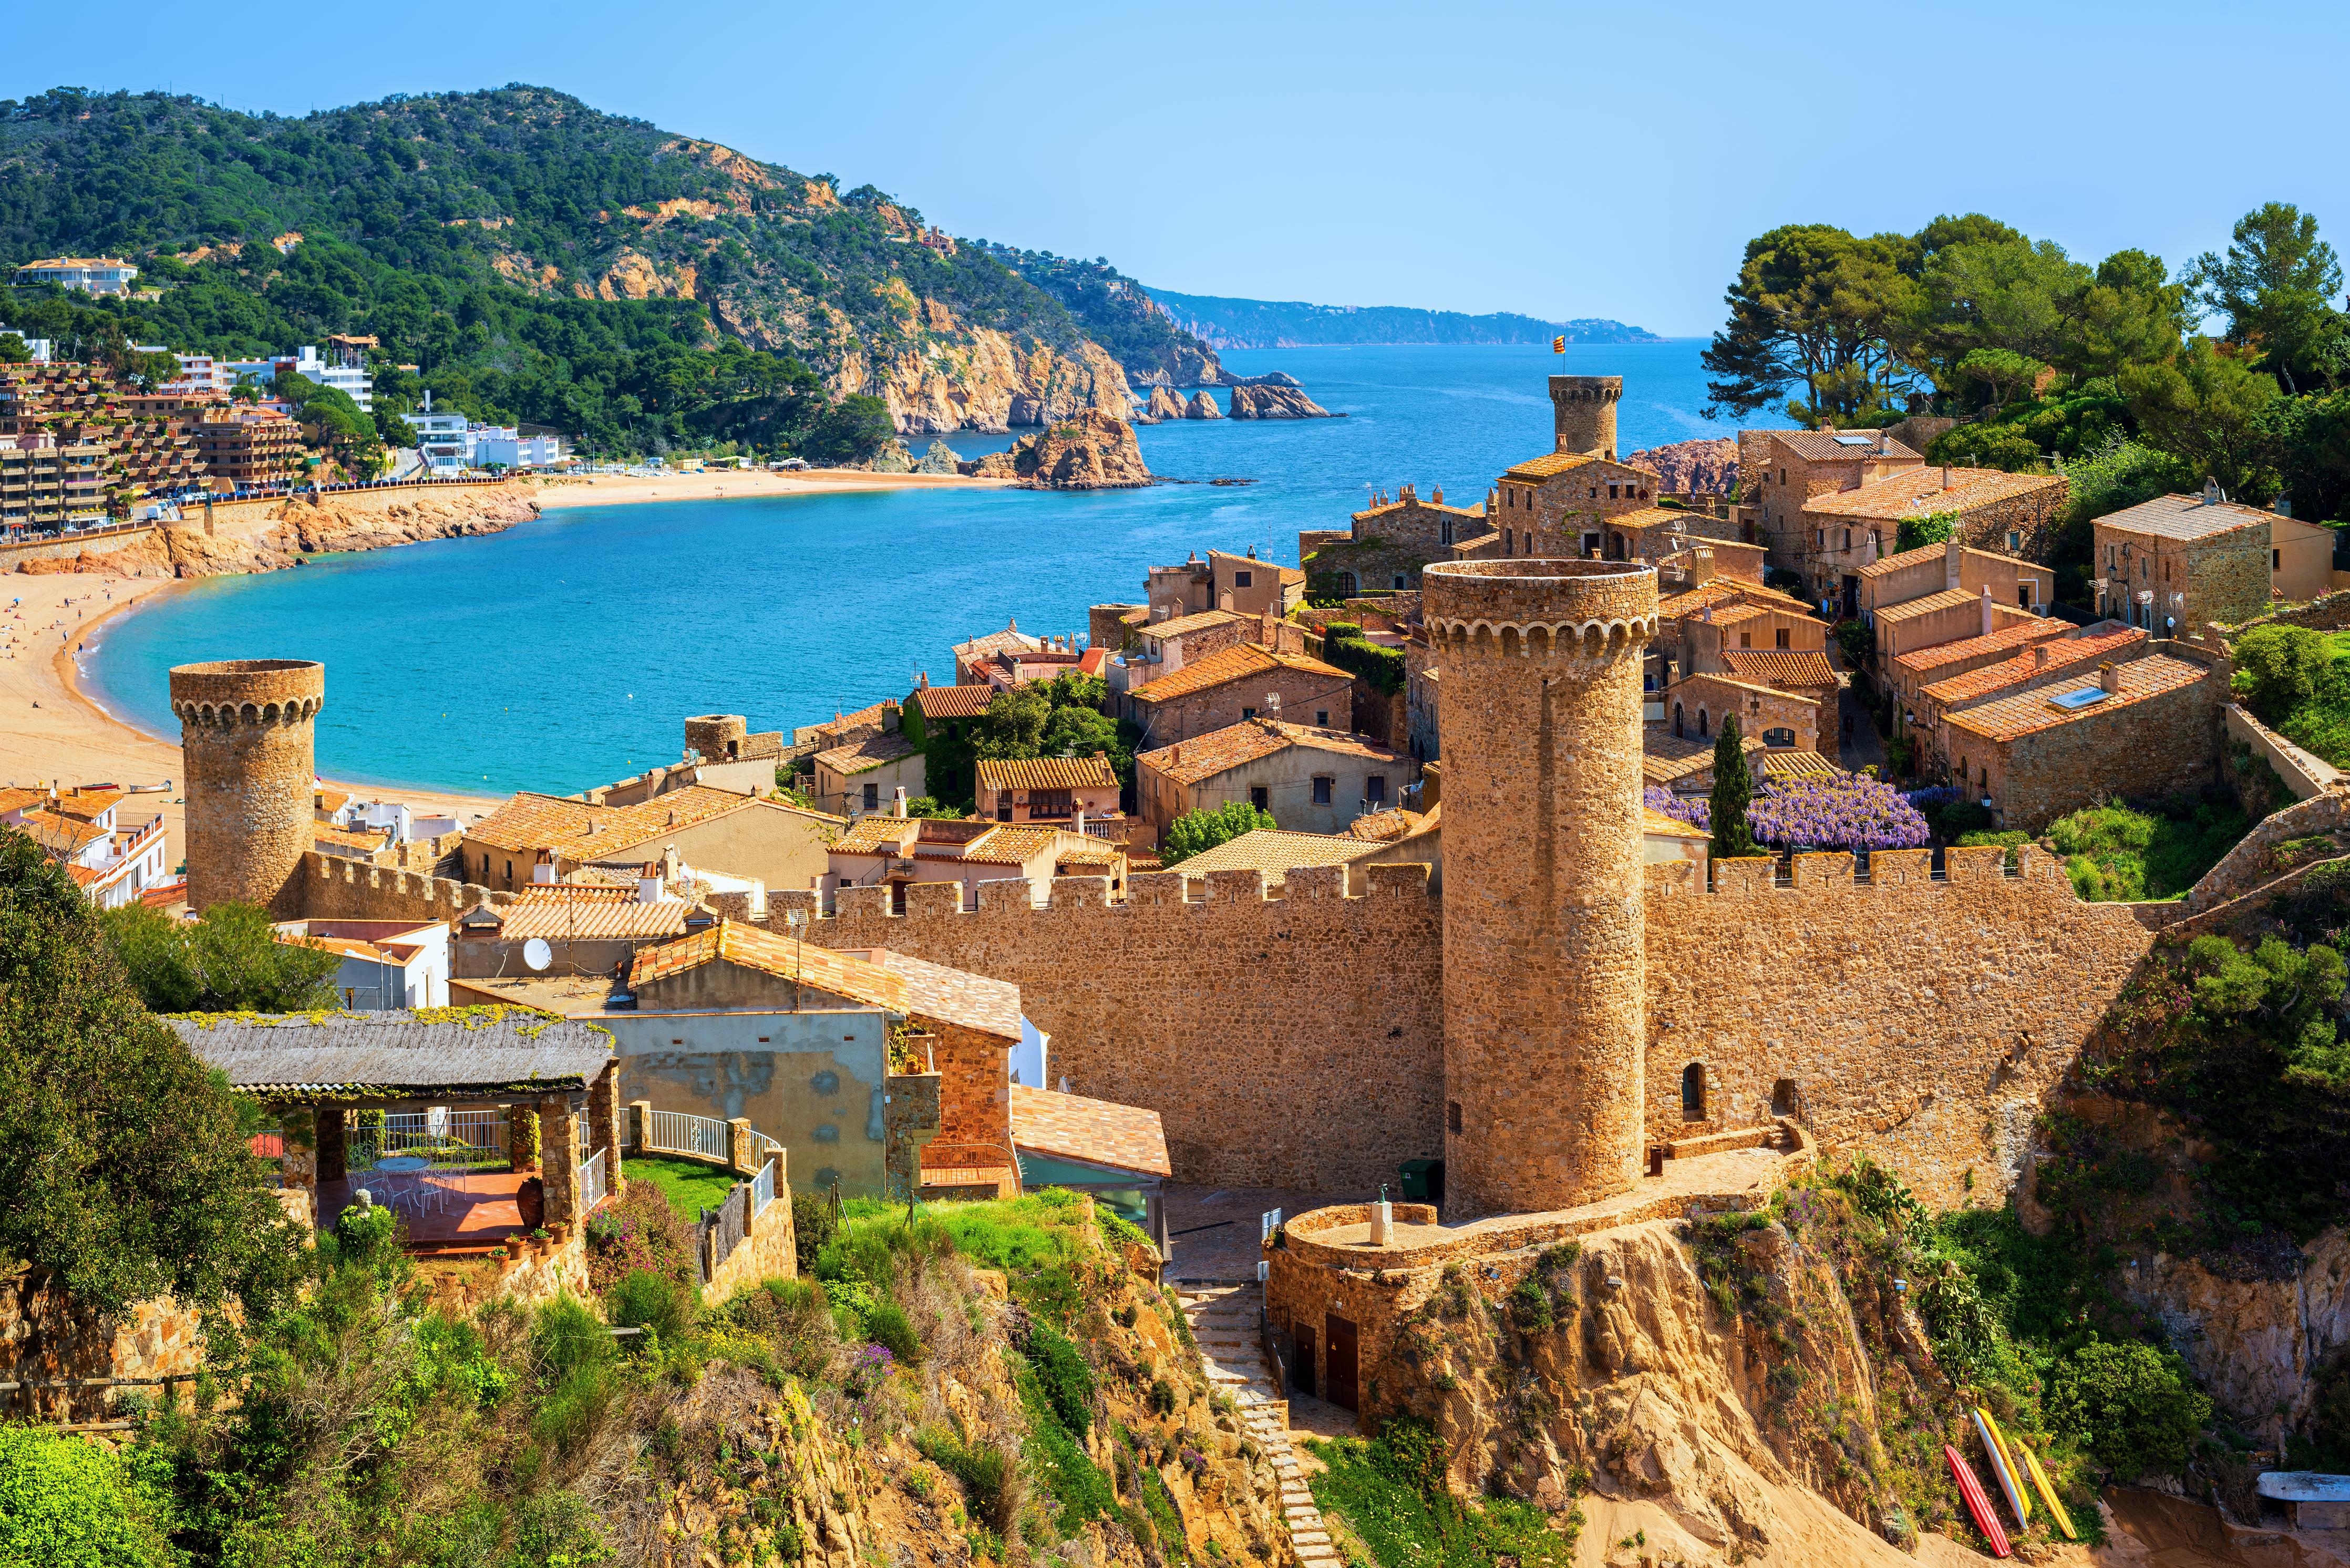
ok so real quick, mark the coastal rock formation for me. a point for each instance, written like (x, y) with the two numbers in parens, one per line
(263, 537)
(1093, 451)
(1203, 407)
(1185, 365)
(953, 377)
(1164, 405)
(939, 459)
(2256, 1346)
(1705, 467)
(1275, 402)
(1270, 379)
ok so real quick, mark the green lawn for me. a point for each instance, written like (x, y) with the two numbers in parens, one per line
(690, 1185)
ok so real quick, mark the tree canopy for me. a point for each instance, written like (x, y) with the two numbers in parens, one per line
(227, 961)
(1197, 832)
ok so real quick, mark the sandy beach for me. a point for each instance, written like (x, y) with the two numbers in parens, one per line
(52, 733)
(621, 489)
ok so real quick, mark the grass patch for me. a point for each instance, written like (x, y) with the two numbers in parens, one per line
(1390, 1492)
(2115, 853)
(690, 1185)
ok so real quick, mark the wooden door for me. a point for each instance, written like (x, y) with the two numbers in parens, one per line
(1301, 1372)
(1339, 1381)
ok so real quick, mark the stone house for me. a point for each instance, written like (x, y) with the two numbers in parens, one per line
(1691, 618)
(1561, 503)
(1311, 779)
(1715, 632)
(947, 713)
(1938, 569)
(1164, 644)
(1838, 534)
(1705, 560)
(1683, 763)
(1053, 789)
(1277, 851)
(1908, 673)
(1780, 471)
(781, 845)
(1786, 721)
(866, 775)
(1227, 582)
(1239, 684)
(1387, 544)
(1107, 627)
(2178, 563)
(2301, 559)
(971, 656)
(896, 853)
(1805, 676)
(2147, 728)
(1946, 616)
(2044, 663)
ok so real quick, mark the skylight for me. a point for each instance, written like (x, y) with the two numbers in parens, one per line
(2074, 701)
(1856, 441)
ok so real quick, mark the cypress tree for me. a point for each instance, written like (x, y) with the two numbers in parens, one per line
(1733, 787)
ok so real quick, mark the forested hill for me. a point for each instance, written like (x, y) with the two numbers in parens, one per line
(540, 259)
(1270, 324)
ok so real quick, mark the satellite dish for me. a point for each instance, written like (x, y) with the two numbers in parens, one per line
(537, 953)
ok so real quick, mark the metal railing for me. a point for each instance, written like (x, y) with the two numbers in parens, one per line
(681, 1132)
(443, 1136)
(762, 1187)
(592, 1183)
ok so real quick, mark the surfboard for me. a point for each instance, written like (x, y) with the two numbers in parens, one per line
(2047, 1492)
(1971, 1492)
(2001, 1470)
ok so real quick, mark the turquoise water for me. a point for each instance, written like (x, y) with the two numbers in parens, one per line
(567, 651)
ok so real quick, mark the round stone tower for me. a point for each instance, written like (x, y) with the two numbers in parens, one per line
(246, 727)
(717, 736)
(1544, 967)
(1584, 413)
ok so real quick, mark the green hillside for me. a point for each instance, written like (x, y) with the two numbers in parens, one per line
(1284, 324)
(539, 260)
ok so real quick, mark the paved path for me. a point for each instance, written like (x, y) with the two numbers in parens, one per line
(1861, 748)
(1224, 1320)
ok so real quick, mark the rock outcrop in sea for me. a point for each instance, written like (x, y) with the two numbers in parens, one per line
(1203, 407)
(1095, 451)
(1163, 405)
(1275, 402)
(1704, 467)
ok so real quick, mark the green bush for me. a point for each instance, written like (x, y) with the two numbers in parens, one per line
(1392, 1493)
(987, 1473)
(644, 1299)
(813, 1223)
(1062, 1373)
(2130, 1404)
(1196, 832)
(2278, 669)
(2117, 853)
(227, 961)
(887, 1325)
(65, 1503)
(1343, 645)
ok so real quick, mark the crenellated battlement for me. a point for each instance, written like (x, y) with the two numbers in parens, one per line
(331, 887)
(2034, 874)
(1013, 897)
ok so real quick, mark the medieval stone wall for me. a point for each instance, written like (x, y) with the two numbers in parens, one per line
(329, 888)
(246, 733)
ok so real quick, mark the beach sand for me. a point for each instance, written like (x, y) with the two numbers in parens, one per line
(620, 489)
(51, 732)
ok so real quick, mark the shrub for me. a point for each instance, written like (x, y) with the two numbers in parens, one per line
(887, 1322)
(1196, 832)
(2131, 1405)
(1848, 813)
(65, 1503)
(227, 961)
(644, 1299)
(1063, 1375)
(989, 1476)
(813, 1223)
(2278, 669)
(2115, 852)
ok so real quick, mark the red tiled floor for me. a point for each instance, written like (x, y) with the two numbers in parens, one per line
(476, 1209)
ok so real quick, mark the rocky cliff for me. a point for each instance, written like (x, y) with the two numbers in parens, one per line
(263, 537)
(1163, 405)
(1707, 467)
(1269, 401)
(1093, 451)
(1203, 407)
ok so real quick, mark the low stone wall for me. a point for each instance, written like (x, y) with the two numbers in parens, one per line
(771, 1250)
(2304, 773)
(101, 543)
(534, 1269)
(46, 1337)
(2249, 864)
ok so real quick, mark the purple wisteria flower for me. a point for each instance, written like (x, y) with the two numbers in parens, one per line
(1680, 808)
(1849, 812)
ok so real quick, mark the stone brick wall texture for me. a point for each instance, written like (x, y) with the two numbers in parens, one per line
(245, 729)
(1303, 694)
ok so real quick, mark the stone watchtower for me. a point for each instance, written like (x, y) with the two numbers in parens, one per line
(717, 736)
(1545, 940)
(1583, 410)
(245, 729)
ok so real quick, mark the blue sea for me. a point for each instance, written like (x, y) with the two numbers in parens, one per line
(567, 651)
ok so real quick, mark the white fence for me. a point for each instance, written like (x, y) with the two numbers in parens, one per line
(681, 1132)
(443, 1136)
(592, 1182)
(762, 1187)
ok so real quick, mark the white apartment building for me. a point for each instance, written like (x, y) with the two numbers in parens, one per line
(304, 362)
(451, 443)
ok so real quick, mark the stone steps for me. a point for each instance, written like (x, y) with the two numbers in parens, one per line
(1223, 1320)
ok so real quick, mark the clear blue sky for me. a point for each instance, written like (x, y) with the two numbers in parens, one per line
(1557, 160)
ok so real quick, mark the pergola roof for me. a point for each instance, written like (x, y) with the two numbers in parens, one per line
(446, 1054)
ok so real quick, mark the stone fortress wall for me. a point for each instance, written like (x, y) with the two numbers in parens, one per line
(246, 729)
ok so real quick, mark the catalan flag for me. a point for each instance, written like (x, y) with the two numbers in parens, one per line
(1558, 344)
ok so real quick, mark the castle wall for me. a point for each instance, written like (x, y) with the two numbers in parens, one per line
(246, 734)
(1923, 1022)
(330, 888)
(1290, 1041)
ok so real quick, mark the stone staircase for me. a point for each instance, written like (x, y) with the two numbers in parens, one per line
(1223, 1319)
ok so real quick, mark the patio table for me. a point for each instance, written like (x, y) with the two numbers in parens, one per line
(398, 1166)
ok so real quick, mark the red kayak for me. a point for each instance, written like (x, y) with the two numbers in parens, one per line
(1978, 1503)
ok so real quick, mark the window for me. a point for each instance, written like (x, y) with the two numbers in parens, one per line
(1398, 581)
(1243, 579)
(1693, 1092)
(1700, 723)
(1453, 1116)
(1611, 492)
(2015, 541)
(2276, 560)
(1820, 538)
(1322, 790)
(1677, 719)
(1509, 542)
(1257, 797)
(1781, 637)
(873, 797)
(1783, 476)
(1246, 714)
(2023, 595)
(1847, 538)
(509, 873)
(1591, 546)
(1322, 718)
(1745, 639)
(1375, 789)
(1779, 735)
(2109, 557)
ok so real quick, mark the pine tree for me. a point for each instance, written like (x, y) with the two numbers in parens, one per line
(1733, 787)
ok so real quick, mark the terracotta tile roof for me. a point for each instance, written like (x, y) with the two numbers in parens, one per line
(1093, 852)
(1219, 751)
(1665, 757)
(1014, 844)
(1198, 620)
(851, 723)
(994, 642)
(14, 800)
(328, 800)
(1655, 823)
(1792, 765)
(1721, 591)
(1092, 1132)
(951, 701)
(1093, 660)
(752, 948)
(1732, 615)
(1650, 517)
(1919, 493)
(880, 834)
(367, 840)
(530, 822)
(1277, 851)
(557, 915)
(952, 995)
(865, 755)
(1549, 464)
(1910, 609)
(1902, 560)
(89, 805)
(163, 895)
(2030, 711)
(1780, 667)
(2063, 653)
(1046, 773)
(2185, 517)
(1228, 664)
(1385, 826)
(1821, 446)
(349, 947)
(63, 835)
(2014, 634)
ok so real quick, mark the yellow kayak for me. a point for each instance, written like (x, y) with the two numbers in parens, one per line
(2010, 1479)
(2047, 1492)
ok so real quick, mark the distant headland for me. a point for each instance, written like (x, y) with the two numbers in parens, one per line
(1223, 323)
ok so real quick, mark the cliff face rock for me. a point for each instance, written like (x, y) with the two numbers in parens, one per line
(1707, 467)
(1272, 403)
(983, 379)
(1164, 405)
(1203, 407)
(1187, 365)
(250, 536)
(1094, 451)
(2256, 1346)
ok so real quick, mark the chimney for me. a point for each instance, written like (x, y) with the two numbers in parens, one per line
(898, 802)
(1953, 564)
(1175, 755)
(1252, 552)
(2039, 658)
(542, 875)
(1701, 569)
(1989, 622)
(1946, 477)
(648, 883)
(2109, 679)
(1081, 821)
(2212, 493)
(922, 681)
(671, 862)
(890, 712)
